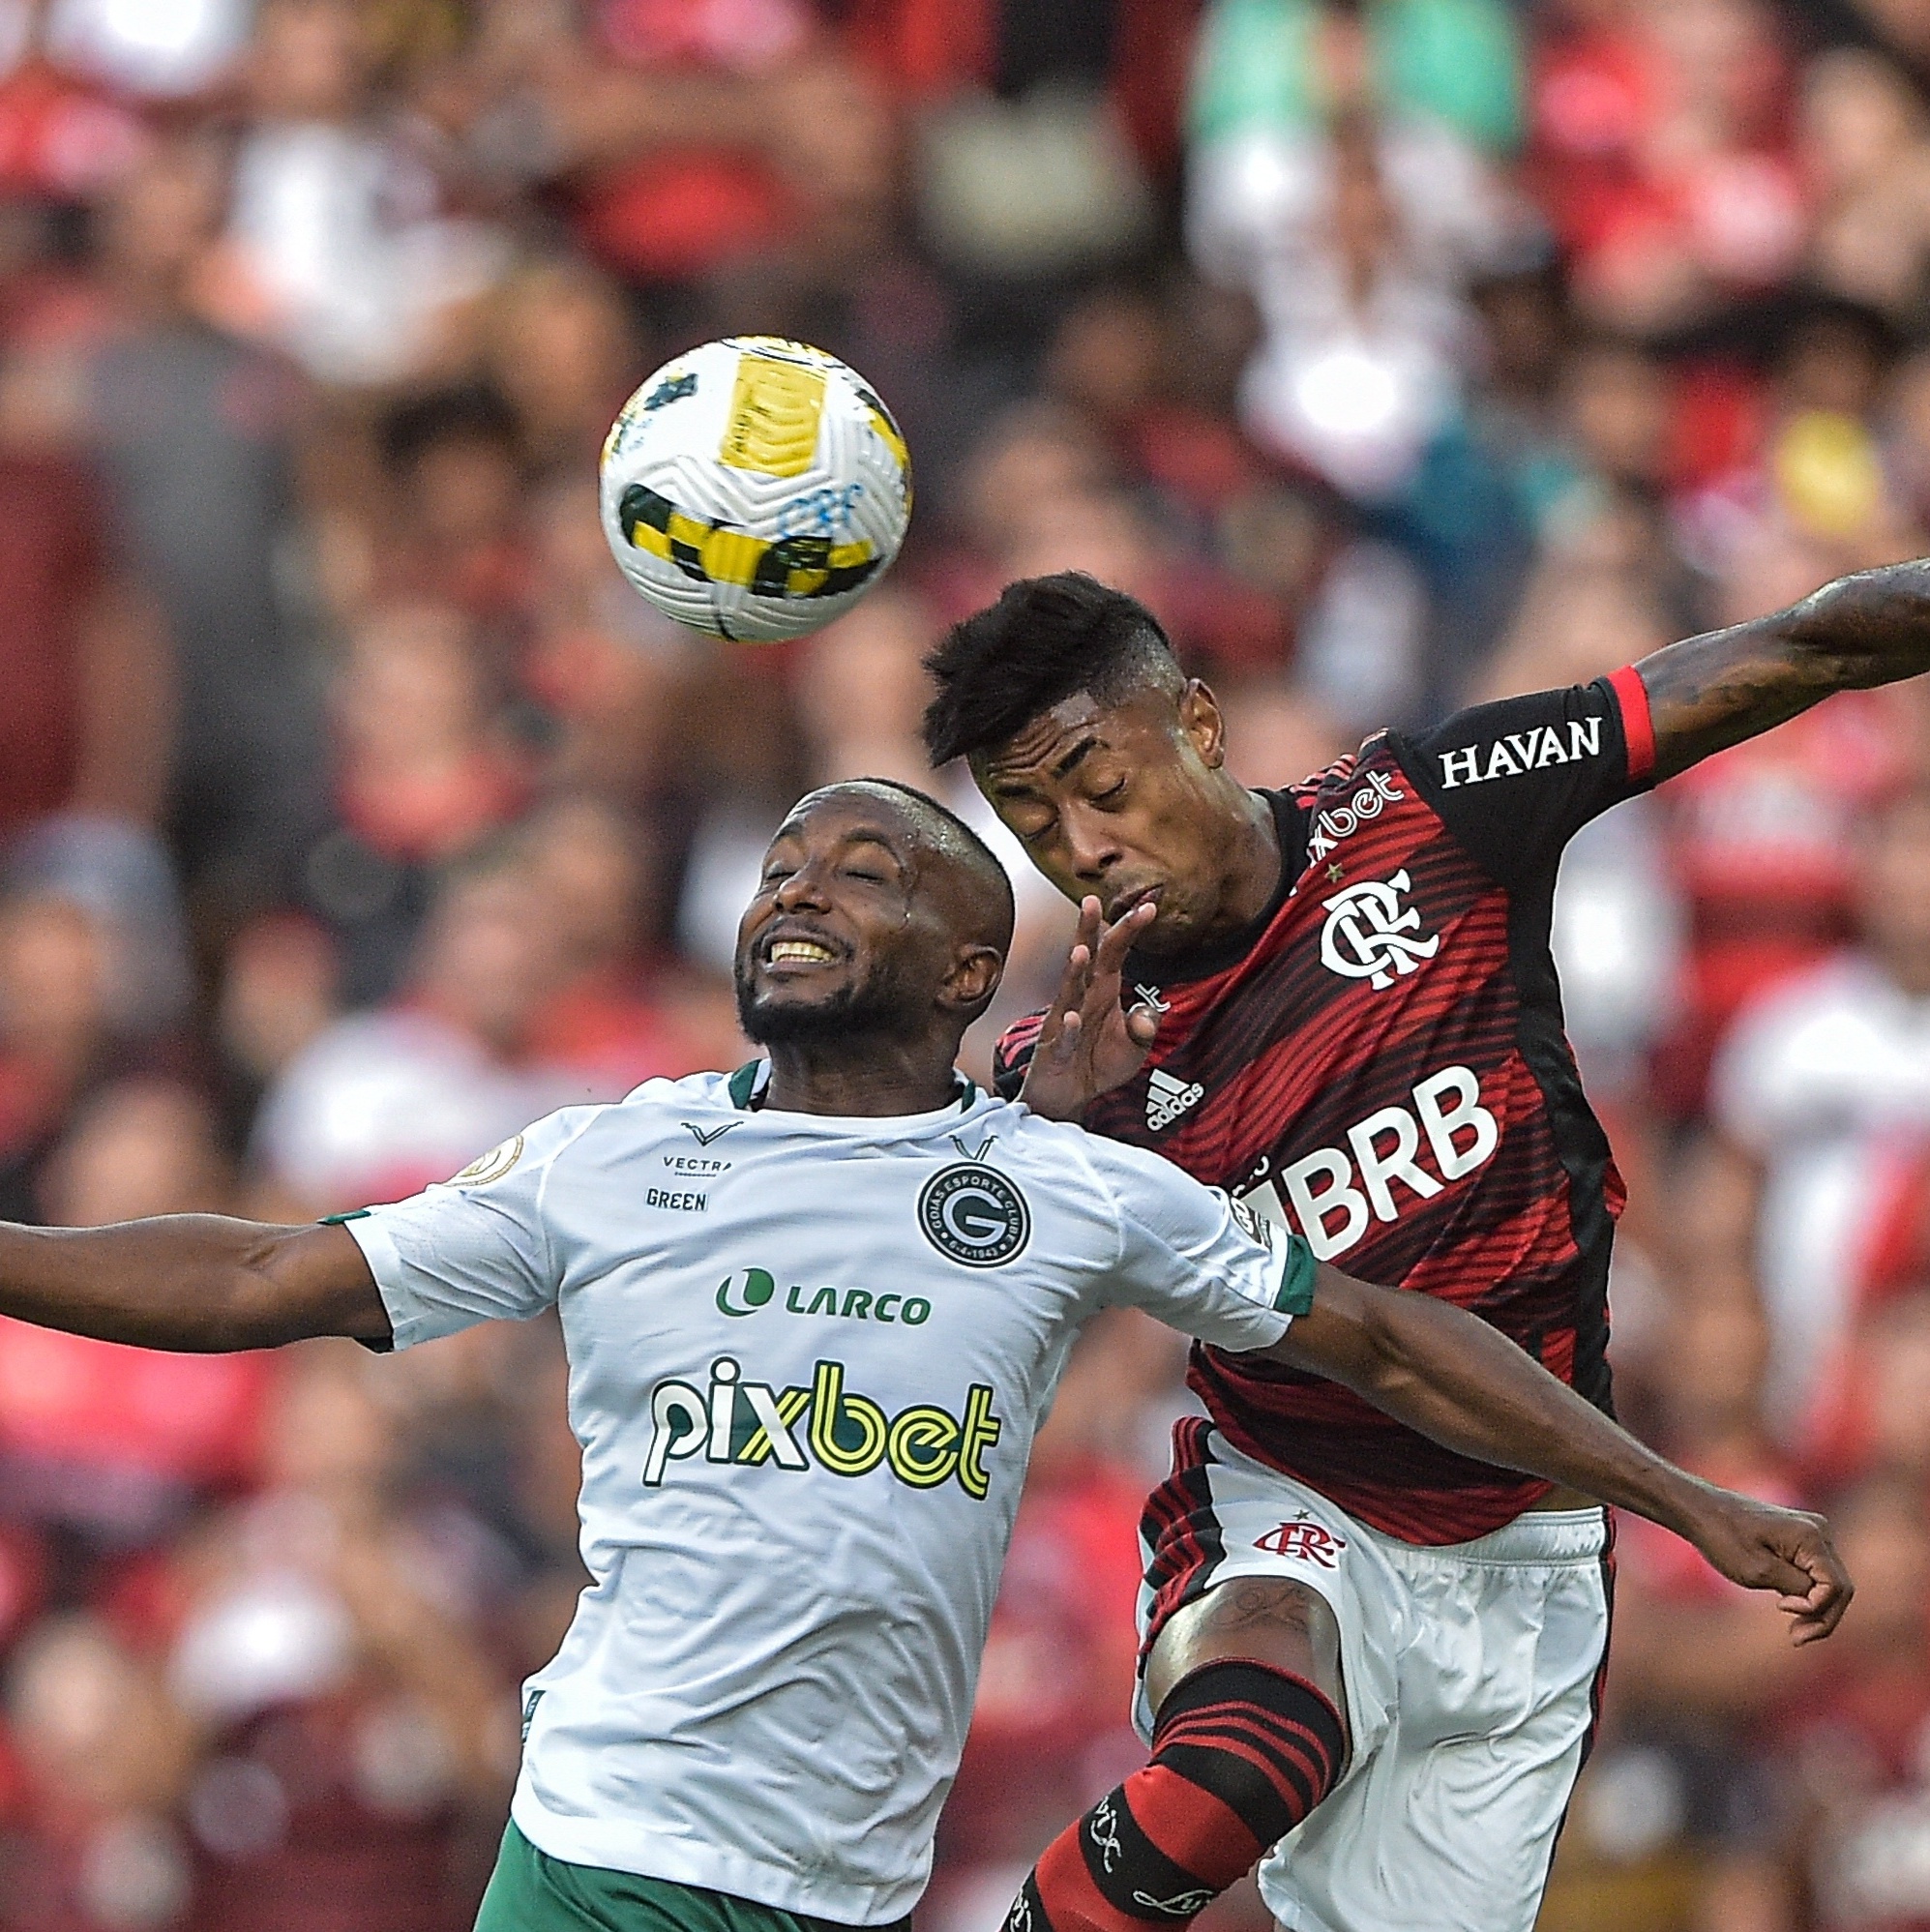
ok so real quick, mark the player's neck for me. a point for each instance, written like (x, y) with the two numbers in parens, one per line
(862, 1078)
(1253, 865)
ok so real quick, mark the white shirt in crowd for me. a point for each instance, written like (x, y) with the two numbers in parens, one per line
(807, 1360)
(1822, 1079)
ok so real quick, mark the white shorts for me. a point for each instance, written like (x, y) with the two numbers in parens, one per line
(1472, 1675)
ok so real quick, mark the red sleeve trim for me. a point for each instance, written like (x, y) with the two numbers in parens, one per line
(1638, 728)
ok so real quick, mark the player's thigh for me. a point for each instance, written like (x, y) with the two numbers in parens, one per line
(1527, 1726)
(1244, 1563)
(1451, 1825)
(1281, 1621)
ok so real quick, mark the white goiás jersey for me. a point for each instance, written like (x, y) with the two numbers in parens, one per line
(808, 1355)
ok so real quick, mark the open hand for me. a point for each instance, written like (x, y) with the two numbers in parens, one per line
(1088, 1043)
(1788, 1551)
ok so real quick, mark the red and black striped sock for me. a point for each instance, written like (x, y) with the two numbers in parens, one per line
(1241, 1753)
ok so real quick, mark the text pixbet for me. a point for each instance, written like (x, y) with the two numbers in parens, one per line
(751, 1423)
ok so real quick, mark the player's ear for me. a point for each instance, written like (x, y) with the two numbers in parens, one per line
(1203, 724)
(974, 978)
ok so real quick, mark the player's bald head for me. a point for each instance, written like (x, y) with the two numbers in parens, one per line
(953, 861)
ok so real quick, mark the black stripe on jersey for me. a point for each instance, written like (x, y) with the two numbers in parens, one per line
(1579, 1143)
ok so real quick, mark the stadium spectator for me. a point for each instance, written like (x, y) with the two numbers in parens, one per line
(118, 1443)
(94, 1833)
(193, 430)
(1822, 1082)
(337, 246)
(1659, 155)
(408, 1092)
(1857, 1735)
(562, 349)
(425, 771)
(619, 1015)
(345, 1714)
(453, 458)
(90, 727)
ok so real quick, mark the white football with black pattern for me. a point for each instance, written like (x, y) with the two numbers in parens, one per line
(755, 489)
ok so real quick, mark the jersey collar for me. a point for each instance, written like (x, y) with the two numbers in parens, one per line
(750, 1081)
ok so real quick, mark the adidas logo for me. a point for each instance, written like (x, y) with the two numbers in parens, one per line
(1166, 1099)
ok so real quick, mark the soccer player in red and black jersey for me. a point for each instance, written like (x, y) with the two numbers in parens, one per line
(1356, 1028)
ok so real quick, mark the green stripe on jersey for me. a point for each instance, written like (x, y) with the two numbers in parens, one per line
(1296, 1279)
(530, 1892)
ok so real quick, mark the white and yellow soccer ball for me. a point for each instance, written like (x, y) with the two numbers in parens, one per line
(755, 489)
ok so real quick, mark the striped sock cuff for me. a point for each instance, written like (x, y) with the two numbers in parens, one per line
(1243, 1753)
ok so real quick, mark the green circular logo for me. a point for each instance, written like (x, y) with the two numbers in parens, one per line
(972, 1214)
(745, 1292)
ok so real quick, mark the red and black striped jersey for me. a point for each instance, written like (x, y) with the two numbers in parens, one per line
(1379, 1060)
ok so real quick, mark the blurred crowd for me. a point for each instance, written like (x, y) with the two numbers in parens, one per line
(1398, 353)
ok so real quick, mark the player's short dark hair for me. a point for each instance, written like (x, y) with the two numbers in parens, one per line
(954, 837)
(1044, 638)
(467, 412)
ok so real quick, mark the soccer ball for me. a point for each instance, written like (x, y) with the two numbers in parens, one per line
(755, 489)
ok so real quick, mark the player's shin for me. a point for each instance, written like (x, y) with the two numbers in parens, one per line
(1241, 1753)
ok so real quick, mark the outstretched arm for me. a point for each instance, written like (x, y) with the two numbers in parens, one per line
(1710, 692)
(1453, 1377)
(196, 1283)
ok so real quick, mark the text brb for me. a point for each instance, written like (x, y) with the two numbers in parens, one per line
(1336, 1193)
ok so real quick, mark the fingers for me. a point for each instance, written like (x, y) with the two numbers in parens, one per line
(1075, 981)
(1091, 924)
(1119, 938)
(1818, 1601)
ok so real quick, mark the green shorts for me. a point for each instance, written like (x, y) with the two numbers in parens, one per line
(530, 1892)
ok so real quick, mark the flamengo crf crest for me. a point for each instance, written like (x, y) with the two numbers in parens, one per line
(1304, 1539)
(1371, 935)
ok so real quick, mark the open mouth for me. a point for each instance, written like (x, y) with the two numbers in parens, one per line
(795, 950)
(1146, 894)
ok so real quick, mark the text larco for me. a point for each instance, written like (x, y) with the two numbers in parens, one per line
(748, 1290)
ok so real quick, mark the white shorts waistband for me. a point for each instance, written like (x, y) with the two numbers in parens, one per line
(1536, 1536)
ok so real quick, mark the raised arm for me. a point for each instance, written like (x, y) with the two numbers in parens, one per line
(1450, 1375)
(1713, 691)
(196, 1283)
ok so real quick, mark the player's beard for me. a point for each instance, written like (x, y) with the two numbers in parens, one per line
(867, 1009)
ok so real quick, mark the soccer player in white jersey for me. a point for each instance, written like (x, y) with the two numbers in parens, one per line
(814, 1313)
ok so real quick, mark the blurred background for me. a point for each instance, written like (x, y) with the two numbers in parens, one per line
(1398, 353)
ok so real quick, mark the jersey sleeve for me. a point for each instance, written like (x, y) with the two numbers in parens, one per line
(1013, 1054)
(1516, 780)
(1199, 1260)
(474, 1248)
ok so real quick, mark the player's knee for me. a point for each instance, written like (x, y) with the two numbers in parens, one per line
(1242, 1752)
(1263, 1745)
(1272, 1620)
